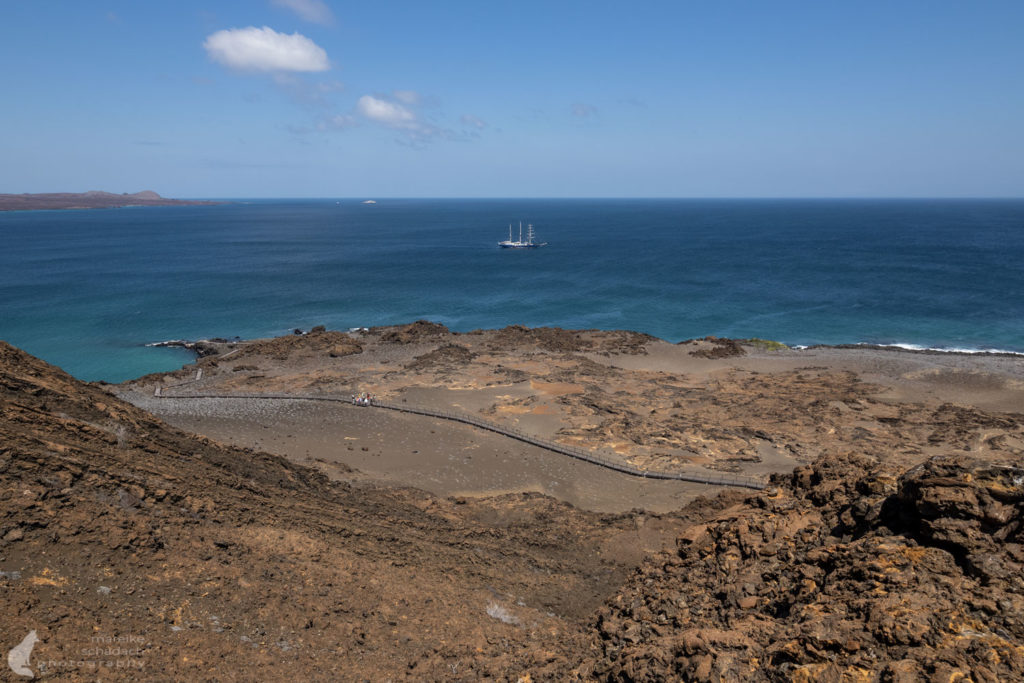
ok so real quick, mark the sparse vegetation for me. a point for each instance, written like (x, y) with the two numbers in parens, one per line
(765, 344)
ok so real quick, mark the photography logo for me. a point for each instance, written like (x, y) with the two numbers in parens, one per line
(17, 658)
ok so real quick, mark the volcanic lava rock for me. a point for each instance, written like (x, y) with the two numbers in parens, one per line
(316, 341)
(419, 331)
(719, 348)
(847, 570)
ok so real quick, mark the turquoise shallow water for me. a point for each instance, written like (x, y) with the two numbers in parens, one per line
(88, 289)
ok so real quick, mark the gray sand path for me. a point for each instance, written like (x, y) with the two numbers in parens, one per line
(438, 456)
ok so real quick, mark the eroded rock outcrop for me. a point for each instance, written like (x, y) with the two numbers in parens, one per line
(316, 341)
(847, 571)
(413, 333)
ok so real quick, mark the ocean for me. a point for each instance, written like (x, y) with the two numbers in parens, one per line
(87, 290)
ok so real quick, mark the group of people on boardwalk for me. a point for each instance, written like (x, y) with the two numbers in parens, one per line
(362, 399)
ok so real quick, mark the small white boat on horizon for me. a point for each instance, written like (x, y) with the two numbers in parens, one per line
(528, 243)
(369, 201)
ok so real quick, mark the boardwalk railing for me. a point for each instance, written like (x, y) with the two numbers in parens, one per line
(511, 432)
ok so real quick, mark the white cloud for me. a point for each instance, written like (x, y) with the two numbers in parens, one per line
(470, 120)
(387, 113)
(264, 49)
(310, 10)
(400, 111)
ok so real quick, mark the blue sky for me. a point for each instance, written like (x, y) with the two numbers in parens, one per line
(311, 98)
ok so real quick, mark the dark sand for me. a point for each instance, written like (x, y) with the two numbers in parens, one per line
(442, 457)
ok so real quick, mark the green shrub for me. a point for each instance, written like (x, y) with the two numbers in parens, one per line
(765, 344)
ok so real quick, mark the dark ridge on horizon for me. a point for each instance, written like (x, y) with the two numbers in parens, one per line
(93, 199)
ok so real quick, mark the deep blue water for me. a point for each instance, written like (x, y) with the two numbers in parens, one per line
(87, 289)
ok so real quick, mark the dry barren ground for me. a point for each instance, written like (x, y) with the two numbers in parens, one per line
(130, 549)
(703, 406)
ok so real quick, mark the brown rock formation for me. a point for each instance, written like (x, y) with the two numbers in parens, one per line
(419, 331)
(716, 347)
(849, 571)
(317, 342)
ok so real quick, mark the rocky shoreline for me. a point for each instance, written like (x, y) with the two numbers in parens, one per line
(204, 347)
(200, 347)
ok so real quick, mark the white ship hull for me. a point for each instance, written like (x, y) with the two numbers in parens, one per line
(528, 243)
(518, 245)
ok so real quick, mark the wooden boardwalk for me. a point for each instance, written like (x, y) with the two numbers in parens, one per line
(511, 432)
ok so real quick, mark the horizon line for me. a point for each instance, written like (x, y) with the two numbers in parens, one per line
(623, 197)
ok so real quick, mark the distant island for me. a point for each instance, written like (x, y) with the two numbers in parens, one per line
(88, 200)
